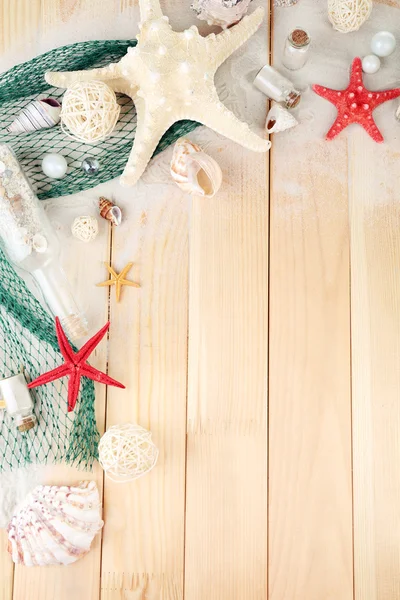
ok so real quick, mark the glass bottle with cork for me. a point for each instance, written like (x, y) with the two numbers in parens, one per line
(296, 49)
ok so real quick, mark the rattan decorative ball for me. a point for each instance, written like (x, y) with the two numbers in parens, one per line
(348, 15)
(126, 452)
(85, 228)
(90, 111)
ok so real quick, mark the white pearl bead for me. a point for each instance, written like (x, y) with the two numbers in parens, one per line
(383, 43)
(371, 64)
(54, 166)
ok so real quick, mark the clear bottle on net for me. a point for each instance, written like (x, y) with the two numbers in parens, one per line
(14, 393)
(31, 243)
(296, 49)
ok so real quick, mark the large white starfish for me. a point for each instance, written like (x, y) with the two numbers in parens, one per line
(170, 76)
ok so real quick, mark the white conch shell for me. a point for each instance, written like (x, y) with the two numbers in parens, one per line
(195, 171)
(38, 114)
(221, 12)
(55, 525)
(279, 119)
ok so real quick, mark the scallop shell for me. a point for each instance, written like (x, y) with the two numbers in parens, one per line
(38, 114)
(110, 211)
(55, 525)
(279, 119)
(223, 13)
(195, 171)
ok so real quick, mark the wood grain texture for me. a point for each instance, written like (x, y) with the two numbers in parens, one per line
(226, 523)
(82, 579)
(375, 299)
(310, 496)
(143, 549)
(6, 569)
(19, 23)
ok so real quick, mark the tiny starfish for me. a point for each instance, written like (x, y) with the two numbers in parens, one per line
(170, 76)
(75, 365)
(118, 279)
(355, 104)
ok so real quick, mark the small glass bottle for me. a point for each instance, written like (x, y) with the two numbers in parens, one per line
(296, 49)
(18, 401)
(277, 87)
(30, 242)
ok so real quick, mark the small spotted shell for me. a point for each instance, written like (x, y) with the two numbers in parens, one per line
(110, 211)
(195, 171)
(221, 12)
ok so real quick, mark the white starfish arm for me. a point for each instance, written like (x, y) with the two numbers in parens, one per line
(216, 116)
(64, 79)
(224, 44)
(150, 9)
(149, 131)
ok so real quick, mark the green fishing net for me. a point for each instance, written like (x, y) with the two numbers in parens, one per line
(27, 338)
(26, 82)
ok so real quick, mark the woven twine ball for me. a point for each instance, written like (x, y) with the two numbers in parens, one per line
(85, 228)
(89, 112)
(126, 452)
(348, 15)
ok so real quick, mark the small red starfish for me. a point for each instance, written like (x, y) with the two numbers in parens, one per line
(355, 104)
(75, 365)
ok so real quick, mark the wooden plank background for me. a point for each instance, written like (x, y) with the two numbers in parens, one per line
(268, 289)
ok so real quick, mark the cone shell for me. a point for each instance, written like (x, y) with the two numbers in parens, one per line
(110, 211)
(39, 114)
(223, 13)
(279, 119)
(55, 525)
(194, 171)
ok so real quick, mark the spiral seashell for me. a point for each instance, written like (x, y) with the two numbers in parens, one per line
(55, 525)
(38, 114)
(223, 13)
(279, 119)
(195, 171)
(110, 211)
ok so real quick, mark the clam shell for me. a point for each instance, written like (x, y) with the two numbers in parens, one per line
(223, 13)
(110, 211)
(194, 171)
(55, 525)
(38, 114)
(279, 119)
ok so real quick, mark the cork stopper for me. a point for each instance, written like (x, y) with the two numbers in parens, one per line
(26, 423)
(299, 38)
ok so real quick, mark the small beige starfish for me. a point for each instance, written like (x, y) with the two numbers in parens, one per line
(118, 279)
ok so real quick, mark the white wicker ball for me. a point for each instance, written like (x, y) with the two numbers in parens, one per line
(348, 15)
(85, 228)
(126, 452)
(89, 111)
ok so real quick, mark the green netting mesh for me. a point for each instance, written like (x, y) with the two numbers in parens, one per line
(25, 82)
(27, 337)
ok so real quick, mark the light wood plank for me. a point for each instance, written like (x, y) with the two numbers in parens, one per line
(375, 250)
(310, 500)
(82, 579)
(19, 22)
(143, 547)
(6, 569)
(226, 522)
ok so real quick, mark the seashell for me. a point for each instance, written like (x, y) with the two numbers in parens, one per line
(55, 525)
(39, 243)
(110, 211)
(195, 171)
(38, 114)
(279, 119)
(221, 12)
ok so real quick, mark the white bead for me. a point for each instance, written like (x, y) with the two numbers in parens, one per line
(383, 43)
(54, 166)
(371, 64)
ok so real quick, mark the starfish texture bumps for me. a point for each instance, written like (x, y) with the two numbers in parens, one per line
(118, 279)
(355, 104)
(75, 365)
(170, 76)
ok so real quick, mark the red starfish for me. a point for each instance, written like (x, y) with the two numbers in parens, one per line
(75, 365)
(355, 104)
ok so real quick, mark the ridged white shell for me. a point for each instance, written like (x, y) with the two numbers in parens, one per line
(195, 171)
(221, 12)
(55, 525)
(279, 119)
(38, 114)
